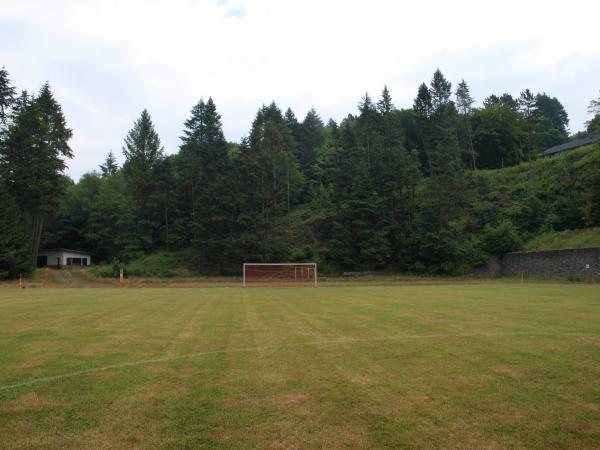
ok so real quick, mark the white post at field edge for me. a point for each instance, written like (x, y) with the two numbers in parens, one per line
(244, 282)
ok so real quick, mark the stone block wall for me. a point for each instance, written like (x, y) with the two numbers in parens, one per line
(582, 262)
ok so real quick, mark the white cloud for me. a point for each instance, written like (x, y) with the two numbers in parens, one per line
(107, 60)
(238, 11)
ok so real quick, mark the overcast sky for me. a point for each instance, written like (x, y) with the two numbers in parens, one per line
(108, 60)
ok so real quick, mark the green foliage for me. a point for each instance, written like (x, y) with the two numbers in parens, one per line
(7, 95)
(500, 239)
(110, 166)
(558, 240)
(386, 189)
(160, 265)
(33, 148)
(14, 245)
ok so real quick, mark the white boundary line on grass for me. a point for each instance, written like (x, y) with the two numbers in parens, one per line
(282, 346)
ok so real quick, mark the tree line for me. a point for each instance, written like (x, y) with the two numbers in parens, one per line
(386, 188)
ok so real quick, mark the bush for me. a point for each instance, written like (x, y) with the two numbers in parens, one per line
(503, 238)
(159, 265)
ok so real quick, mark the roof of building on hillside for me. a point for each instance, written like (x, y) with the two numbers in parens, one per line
(47, 250)
(570, 145)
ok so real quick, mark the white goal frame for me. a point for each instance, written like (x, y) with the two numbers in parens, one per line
(300, 266)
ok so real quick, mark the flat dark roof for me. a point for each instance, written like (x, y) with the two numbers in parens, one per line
(64, 250)
(570, 145)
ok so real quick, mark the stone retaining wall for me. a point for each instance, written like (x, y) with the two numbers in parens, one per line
(583, 262)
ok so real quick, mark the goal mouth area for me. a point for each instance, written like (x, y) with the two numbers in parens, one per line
(280, 275)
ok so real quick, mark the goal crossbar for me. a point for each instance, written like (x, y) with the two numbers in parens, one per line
(292, 274)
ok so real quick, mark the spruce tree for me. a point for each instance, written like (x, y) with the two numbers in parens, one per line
(440, 90)
(206, 188)
(32, 159)
(7, 95)
(311, 137)
(143, 153)
(110, 166)
(464, 103)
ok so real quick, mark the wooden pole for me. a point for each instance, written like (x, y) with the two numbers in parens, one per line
(121, 276)
(522, 277)
(21, 280)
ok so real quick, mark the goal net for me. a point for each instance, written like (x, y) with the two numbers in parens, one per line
(283, 274)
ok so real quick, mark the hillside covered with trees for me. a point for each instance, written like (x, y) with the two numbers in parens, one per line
(432, 188)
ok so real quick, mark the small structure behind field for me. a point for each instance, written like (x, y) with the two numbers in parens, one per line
(58, 258)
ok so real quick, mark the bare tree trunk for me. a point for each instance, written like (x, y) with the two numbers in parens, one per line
(529, 162)
(471, 148)
(36, 236)
(167, 225)
(288, 198)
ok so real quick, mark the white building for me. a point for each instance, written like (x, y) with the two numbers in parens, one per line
(58, 258)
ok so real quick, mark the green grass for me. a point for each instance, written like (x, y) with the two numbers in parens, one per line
(469, 366)
(558, 240)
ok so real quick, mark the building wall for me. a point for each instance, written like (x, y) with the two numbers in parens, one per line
(52, 257)
(583, 262)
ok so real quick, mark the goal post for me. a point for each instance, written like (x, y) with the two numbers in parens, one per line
(280, 274)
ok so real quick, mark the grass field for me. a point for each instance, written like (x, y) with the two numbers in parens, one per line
(470, 366)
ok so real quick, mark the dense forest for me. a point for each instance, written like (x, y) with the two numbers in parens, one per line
(418, 189)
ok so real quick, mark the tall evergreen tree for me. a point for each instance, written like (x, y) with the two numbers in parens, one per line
(464, 103)
(440, 90)
(143, 154)
(32, 158)
(366, 123)
(311, 137)
(110, 165)
(205, 168)
(7, 95)
(528, 109)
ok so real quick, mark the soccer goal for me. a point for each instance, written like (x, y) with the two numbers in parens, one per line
(280, 274)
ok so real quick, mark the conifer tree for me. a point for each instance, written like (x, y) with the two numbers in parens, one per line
(464, 103)
(528, 109)
(311, 137)
(440, 90)
(205, 165)
(7, 95)
(110, 166)
(32, 158)
(143, 153)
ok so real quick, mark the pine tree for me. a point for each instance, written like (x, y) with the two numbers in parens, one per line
(423, 103)
(204, 166)
(311, 137)
(110, 166)
(143, 154)
(440, 90)
(7, 95)
(528, 109)
(32, 158)
(366, 122)
(464, 103)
